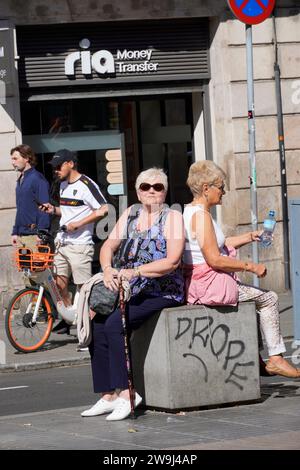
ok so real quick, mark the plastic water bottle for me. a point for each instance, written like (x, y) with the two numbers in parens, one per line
(269, 226)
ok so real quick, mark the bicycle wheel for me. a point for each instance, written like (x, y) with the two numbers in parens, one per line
(24, 335)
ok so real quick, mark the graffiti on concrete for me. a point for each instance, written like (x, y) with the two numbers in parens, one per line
(218, 342)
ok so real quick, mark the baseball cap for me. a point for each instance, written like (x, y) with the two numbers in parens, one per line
(61, 156)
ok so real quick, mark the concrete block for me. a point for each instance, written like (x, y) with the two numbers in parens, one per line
(7, 116)
(7, 189)
(287, 29)
(228, 217)
(292, 166)
(291, 96)
(290, 90)
(291, 132)
(272, 257)
(261, 34)
(293, 191)
(275, 276)
(267, 167)
(274, 279)
(267, 198)
(272, 253)
(9, 276)
(263, 62)
(288, 25)
(288, 57)
(7, 221)
(219, 91)
(195, 356)
(266, 134)
(265, 99)
(7, 142)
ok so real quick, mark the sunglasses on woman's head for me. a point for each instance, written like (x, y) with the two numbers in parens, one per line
(159, 187)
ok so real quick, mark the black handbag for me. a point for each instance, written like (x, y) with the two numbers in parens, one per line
(103, 300)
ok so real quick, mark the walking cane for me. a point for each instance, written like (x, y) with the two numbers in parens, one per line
(127, 350)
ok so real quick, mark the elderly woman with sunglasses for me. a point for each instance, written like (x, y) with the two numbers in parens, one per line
(150, 240)
(210, 269)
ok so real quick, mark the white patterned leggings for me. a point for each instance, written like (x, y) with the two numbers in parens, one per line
(267, 307)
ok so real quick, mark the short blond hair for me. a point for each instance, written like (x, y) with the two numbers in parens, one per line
(202, 172)
(151, 174)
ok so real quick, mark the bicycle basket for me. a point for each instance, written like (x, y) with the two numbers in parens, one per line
(34, 261)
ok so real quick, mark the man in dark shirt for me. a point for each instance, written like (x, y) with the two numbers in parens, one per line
(31, 191)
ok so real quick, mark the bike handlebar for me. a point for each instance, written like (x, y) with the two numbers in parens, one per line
(46, 236)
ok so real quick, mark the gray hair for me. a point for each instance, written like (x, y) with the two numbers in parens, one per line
(151, 174)
(204, 171)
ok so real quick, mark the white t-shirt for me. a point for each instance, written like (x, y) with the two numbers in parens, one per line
(192, 253)
(77, 201)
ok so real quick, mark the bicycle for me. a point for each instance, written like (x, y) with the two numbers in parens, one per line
(32, 311)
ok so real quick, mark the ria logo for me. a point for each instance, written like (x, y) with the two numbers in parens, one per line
(102, 61)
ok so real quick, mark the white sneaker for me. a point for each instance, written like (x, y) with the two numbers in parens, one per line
(123, 409)
(101, 407)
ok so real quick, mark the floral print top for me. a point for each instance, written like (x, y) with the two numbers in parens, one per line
(142, 247)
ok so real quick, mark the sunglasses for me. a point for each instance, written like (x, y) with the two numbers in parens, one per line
(159, 187)
(221, 187)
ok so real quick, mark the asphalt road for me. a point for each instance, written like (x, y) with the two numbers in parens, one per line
(66, 387)
(47, 389)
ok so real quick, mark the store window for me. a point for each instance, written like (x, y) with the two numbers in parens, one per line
(157, 132)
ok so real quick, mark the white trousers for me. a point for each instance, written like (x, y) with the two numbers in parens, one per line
(267, 307)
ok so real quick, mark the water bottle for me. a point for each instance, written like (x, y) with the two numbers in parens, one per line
(269, 226)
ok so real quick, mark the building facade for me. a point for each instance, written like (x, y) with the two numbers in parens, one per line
(135, 84)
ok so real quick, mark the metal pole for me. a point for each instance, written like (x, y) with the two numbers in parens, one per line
(284, 200)
(251, 131)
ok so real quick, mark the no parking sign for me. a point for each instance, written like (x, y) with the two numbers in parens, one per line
(251, 11)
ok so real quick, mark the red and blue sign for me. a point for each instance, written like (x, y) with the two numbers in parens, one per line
(251, 11)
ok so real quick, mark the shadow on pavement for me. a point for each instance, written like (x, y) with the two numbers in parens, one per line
(280, 390)
(49, 346)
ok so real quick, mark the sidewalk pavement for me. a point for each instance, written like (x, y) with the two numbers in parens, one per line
(274, 423)
(58, 351)
(61, 350)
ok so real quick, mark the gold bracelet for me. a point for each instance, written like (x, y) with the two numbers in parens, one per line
(245, 270)
(137, 272)
(106, 266)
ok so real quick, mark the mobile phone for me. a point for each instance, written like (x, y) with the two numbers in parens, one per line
(38, 203)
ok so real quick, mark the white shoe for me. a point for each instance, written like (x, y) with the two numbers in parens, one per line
(123, 409)
(100, 408)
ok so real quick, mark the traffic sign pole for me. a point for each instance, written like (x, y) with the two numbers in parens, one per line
(251, 12)
(251, 131)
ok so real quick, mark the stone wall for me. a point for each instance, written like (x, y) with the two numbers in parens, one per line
(228, 90)
(10, 136)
